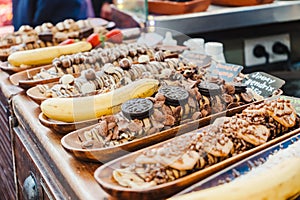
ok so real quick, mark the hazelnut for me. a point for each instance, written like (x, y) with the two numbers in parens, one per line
(82, 58)
(125, 63)
(66, 63)
(76, 59)
(246, 97)
(132, 52)
(90, 75)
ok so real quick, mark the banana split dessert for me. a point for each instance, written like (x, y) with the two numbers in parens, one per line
(110, 76)
(94, 59)
(46, 35)
(171, 106)
(275, 177)
(225, 138)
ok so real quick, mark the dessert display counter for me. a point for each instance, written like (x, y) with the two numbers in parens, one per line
(137, 99)
(39, 154)
(43, 169)
(6, 166)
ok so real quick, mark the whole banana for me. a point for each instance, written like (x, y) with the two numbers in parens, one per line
(277, 183)
(91, 107)
(43, 56)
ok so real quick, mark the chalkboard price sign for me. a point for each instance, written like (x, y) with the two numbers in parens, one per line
(225, 71)
(263, 84)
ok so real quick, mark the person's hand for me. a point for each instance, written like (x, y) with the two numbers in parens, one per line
(106, 11)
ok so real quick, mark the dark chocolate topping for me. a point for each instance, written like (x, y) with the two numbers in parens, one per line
(175, 95)
(209, 89)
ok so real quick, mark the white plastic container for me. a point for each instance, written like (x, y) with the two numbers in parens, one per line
(195, 45)
(215, 50)
(169, 41)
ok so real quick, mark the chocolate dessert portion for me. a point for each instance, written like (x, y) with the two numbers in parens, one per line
(226, 137)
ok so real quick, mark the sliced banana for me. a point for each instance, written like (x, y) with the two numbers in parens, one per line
(254, 134)
(127, 178)
(67, 79)
(186, 162)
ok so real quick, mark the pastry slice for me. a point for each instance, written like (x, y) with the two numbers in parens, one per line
(254, 134)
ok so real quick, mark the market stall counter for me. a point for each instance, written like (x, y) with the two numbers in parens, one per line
(7, 91)
(42, 163)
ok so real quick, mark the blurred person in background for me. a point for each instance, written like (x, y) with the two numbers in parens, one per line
(36, 12)
(102, 8)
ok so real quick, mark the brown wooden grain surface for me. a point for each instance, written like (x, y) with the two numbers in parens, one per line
(6, 87)
(7, 90)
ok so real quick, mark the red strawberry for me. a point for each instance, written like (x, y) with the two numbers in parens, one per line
(67, 41)
(115, 36)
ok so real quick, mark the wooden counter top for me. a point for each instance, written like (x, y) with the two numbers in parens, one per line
(6, 87)
(7, 90)
(75, 177)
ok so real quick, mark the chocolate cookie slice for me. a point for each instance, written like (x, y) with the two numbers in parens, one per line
(138, 108)
(209, 89)
(175, 95)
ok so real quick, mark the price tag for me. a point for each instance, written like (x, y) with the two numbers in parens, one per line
(225, 71)
(263, 84)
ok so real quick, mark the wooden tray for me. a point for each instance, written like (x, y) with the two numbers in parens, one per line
(242, 167)
(5, 66)
(72, 143)
(240, 2)
(35, 94)
(64, 127)
(175, 8)
(103, 174)
(22, 78)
